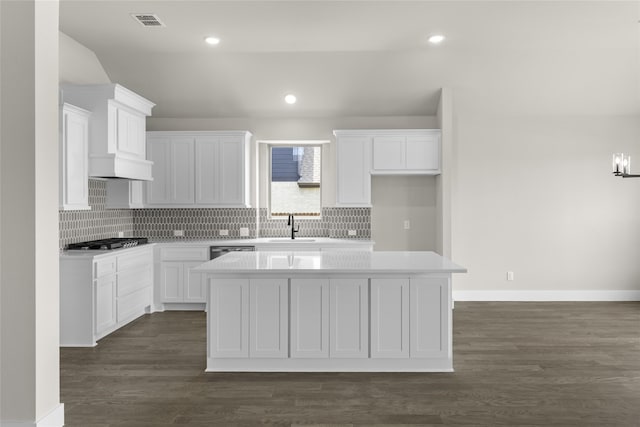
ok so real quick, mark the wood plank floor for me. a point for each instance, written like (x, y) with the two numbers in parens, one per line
(517, 364)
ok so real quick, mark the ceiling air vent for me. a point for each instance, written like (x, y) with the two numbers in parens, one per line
(148, 20)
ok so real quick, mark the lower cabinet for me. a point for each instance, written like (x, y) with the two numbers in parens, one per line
(251, 318)
(99, 294)
(177, 282)
(329, 324)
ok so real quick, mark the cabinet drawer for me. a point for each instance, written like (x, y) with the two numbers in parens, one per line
(131, 281)
(133, 303)
(104, 267)
(195, 253)
(135, 260)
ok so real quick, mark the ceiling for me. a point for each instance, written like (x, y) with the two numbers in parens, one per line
(365, 58)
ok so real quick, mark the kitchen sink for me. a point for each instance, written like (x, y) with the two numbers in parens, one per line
(287, 240)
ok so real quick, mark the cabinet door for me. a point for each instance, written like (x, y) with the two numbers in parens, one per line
(228, 318)
(173, 179)
(171, 282)
(194, 286)
(74, 182)
(353, 171)
(105, 303)
(429, 317)
(389, 153)
(232, 171)
(349, 318)
(390, 318)
(423, 153)
(268, 330)
(130, 135)
(309, 318)
(207, 170)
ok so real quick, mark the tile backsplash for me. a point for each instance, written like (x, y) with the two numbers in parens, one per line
(97, 223)
(100, 223)
(195, 223)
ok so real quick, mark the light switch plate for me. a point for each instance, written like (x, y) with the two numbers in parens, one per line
(120, 233)
(244, 231)
(223, 232)
(178, 233)
(352, 232)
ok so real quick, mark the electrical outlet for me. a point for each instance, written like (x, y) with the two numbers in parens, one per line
(509, 275)
(178, 233)
(352, 232)
(120, 233)
(223, 232)
(244, 231)
(407, 224)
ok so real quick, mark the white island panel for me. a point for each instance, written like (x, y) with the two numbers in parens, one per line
(345, 311)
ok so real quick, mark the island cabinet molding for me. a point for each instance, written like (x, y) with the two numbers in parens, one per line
(390, 318)
(349, 318)
(309, 318)
(228, 317)
(268, 317)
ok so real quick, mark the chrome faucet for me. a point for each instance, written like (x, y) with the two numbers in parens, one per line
(294, 230)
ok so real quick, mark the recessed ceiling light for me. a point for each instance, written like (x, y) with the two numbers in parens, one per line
(290, 99)
(436, 39)
(212, 40)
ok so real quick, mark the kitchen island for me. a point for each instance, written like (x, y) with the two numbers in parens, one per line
(329, 311)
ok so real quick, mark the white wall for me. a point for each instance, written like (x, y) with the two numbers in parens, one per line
(78, 64)
(29, 325)
(535, 195)
(399, 198)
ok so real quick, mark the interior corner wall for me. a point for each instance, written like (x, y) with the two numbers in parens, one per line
(29, 325)
(535, 195)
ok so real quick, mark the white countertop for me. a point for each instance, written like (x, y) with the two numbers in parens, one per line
(335, 261)
(307, 241)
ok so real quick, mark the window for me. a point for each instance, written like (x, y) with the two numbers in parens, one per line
(295, 181)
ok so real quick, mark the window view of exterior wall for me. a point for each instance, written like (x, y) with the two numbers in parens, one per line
(295, 181)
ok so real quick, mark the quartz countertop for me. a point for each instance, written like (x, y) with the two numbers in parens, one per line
(335, 261)
(307, 241)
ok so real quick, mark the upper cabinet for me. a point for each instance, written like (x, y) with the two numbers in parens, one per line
(361, 153)
(117, 146)
(353, 169)
(74, 140)
(199, 169)
(406, 152)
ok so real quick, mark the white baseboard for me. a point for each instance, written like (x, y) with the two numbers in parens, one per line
(54, 418)
(503, 295)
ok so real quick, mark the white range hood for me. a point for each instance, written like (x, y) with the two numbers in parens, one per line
(117, 129)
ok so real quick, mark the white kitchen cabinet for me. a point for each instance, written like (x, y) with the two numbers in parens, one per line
(105, 303)
(228, 318)
(117, 131)
(406, 152)
(199, 169)
(125, 194)
(349, 318)
(309, 318)
(429, 311)
(73, 158)
(221, 169)
(268, 317)
(173, 183)
(353, 169)
(100, 293)
(177, 282)
(389, 318)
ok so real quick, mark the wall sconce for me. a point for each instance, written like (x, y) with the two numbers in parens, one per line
(622, 166)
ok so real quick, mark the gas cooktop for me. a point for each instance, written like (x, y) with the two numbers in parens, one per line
(113, 243)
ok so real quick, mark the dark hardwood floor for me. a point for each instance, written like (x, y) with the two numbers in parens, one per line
(517, 364)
